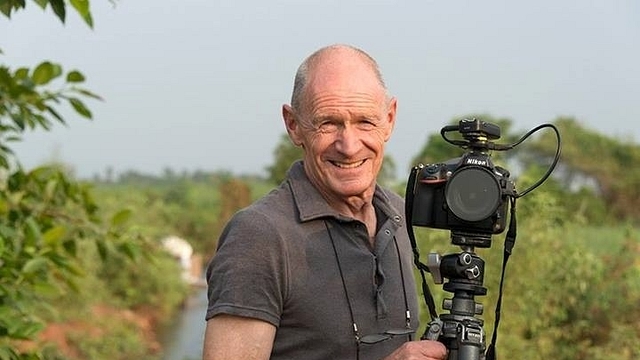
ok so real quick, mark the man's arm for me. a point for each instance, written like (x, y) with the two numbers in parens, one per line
(230, 337)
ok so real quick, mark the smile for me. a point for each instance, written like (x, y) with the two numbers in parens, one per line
(351, 165)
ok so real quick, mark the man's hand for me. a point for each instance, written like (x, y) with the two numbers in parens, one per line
(419, 350)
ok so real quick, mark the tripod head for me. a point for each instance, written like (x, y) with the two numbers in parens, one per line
(459, 330)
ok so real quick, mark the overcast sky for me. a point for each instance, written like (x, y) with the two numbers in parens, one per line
(199, 84)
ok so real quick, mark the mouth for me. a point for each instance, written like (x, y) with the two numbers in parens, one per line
(348, 165)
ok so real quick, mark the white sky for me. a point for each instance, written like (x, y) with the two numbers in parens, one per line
(199, 84)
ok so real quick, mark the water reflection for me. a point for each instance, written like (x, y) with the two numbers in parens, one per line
(183, 339)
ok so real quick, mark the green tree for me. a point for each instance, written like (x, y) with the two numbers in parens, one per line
(44, 214)
(284, 155)
(588, 155)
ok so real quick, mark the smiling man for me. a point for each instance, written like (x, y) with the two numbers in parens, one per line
(342, 117)
(321, 268)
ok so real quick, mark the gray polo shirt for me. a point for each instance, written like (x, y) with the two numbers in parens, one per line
(291, 260)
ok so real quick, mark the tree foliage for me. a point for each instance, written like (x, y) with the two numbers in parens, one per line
(285, 154)
(27, 102)
(59, 7)
(611, 165)
(45, 215)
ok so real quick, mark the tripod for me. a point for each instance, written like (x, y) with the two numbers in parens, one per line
(459, 330)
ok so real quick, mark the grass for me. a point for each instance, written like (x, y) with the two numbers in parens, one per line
(603, 240)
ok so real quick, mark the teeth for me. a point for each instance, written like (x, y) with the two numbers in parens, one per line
(348, 165)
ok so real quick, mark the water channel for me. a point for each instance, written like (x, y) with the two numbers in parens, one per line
(183, 338)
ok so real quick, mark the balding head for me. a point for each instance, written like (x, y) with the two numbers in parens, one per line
(327, 59)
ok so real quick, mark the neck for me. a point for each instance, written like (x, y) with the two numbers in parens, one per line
(359, 208)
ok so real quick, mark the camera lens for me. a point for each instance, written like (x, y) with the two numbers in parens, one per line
(473, 193)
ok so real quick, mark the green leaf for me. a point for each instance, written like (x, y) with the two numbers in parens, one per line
(5, 8)
(34, 265)
(55, 114)
(47, 289)
(86, 92)
(27, 331)
(22, 73)
(32, 231)
(80, 108)
(53, 236)
(75, 77)
(59, 9)
(45, 72)
(82, 7)
(121, 217)
(42, 3)
(130, 249)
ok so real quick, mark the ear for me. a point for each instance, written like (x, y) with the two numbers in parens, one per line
(392, 109)
(291, 124)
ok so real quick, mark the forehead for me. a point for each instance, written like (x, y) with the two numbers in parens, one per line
(344, 81)
(344, 71)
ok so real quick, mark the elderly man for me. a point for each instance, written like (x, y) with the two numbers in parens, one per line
(321, 267)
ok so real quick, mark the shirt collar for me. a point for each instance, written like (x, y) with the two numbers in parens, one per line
(311, 205)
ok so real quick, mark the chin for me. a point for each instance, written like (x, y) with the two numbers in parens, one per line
(352, 188)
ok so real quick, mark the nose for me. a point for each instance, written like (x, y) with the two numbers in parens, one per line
(348, 140)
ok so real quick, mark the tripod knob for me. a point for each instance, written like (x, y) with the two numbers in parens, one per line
(447, 304)
(473, 272)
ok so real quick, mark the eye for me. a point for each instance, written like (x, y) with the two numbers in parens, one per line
(367, 124)
(328, 125)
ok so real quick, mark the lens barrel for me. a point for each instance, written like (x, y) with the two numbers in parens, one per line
(473, 193)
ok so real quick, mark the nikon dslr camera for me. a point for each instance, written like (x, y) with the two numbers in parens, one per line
(468, 195)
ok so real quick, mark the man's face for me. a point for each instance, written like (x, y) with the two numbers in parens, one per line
(343, 126)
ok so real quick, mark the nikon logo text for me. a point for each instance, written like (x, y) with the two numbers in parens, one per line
(472, 161)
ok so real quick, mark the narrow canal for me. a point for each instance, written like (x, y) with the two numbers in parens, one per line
(183, 338)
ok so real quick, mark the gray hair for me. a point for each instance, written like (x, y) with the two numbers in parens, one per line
(302, 74)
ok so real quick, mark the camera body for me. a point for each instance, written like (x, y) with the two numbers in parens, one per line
(468, 195)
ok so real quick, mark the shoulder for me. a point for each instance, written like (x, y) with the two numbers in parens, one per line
(391, 198)
(266, 221)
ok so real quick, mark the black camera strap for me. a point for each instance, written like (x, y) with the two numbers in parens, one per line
(509, 242)
(408, 206)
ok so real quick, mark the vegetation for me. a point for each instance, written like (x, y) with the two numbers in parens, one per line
(82, 277)
(63, 258)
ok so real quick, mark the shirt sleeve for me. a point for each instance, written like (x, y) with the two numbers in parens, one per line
(246, 276)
